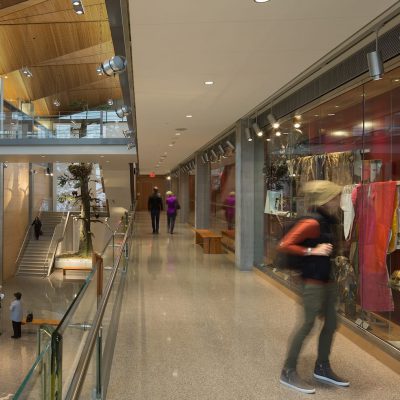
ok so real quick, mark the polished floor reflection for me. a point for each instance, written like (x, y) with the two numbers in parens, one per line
(46, 298)
(193, 327)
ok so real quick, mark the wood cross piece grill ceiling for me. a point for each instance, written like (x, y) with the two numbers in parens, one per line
(61, 49)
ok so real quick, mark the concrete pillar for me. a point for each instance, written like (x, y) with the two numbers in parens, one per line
(183, 196)
(202, 194)
(249, 241)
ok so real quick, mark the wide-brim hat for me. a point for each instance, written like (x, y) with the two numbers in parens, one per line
(318, 193)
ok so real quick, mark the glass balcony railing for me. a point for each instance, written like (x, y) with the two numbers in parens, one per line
(74, 359)
(87, 124)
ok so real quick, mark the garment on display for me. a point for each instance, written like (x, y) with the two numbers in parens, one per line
(375, 205)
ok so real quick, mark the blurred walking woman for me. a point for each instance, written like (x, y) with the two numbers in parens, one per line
(172, 207)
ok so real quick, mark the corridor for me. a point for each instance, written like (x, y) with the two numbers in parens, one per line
(193, 327)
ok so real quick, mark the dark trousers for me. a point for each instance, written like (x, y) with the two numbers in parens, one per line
(171, 222)
(318, 300)
(16, 328)
(155, 220)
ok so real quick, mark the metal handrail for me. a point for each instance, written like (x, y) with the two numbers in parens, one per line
(113, 233)
(28, 230)
(78, 378)
(47, 263)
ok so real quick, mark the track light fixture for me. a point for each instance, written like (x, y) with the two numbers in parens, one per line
(257, 129)
(230, 145)
(123, 111)
(214, 154)
(248, 134)
(375, 64)
(110, 102)
(203, 159)
(56, 103)
(27, 72)
(78, 7)
(115, 65)
(221, 149)
(206, 157)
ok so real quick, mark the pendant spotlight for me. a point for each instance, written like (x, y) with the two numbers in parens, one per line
(56, 103)
(272, 120)
(110, 102)
(248, 134)
(230, 145)
(214, 154)
(257, 129)
(375, 64)
(78, 7)
(99, 71)
(115, 65)
(123, 111)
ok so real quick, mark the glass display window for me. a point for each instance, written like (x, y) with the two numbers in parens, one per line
(353, 140)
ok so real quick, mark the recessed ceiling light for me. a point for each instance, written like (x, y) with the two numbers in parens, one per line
(43, 156)
(296, 125)
(79, 12)
(268, 139)
(101, 156)
(277, 133)
(189, 116)
(331, 114)
(107, 161)
(261, 1)
(170, 145)
(5, 77)
(336, 106)
(177, 134)
(209, 83)
(316, 115)
(276, 125)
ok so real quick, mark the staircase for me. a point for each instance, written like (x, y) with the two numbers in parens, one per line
(33, 259)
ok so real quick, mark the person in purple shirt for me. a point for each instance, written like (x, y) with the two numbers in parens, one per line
(229, 206)
(172, 207)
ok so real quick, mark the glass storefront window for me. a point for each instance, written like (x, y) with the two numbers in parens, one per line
(351, 140)
(222, 213)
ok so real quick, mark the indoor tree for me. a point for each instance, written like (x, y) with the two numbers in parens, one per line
(78, 176)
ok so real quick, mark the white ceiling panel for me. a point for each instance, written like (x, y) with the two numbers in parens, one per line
(249, 50)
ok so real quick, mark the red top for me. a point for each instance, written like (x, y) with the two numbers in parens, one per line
(304, 229)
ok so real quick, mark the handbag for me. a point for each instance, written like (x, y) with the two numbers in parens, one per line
(177, 205)
(29, 317)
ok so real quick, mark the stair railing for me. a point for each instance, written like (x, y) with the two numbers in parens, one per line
(56, 239)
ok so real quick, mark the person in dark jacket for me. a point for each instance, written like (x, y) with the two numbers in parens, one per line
(37, 227)
(155, 206)
(312, 240)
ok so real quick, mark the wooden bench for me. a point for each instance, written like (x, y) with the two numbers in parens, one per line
(228, 240)
(75, 268)
(41, 321)
(210, 241)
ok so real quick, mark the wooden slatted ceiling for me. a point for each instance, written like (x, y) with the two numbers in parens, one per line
(61, 49)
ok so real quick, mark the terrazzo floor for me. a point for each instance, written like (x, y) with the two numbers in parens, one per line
(194, 327)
